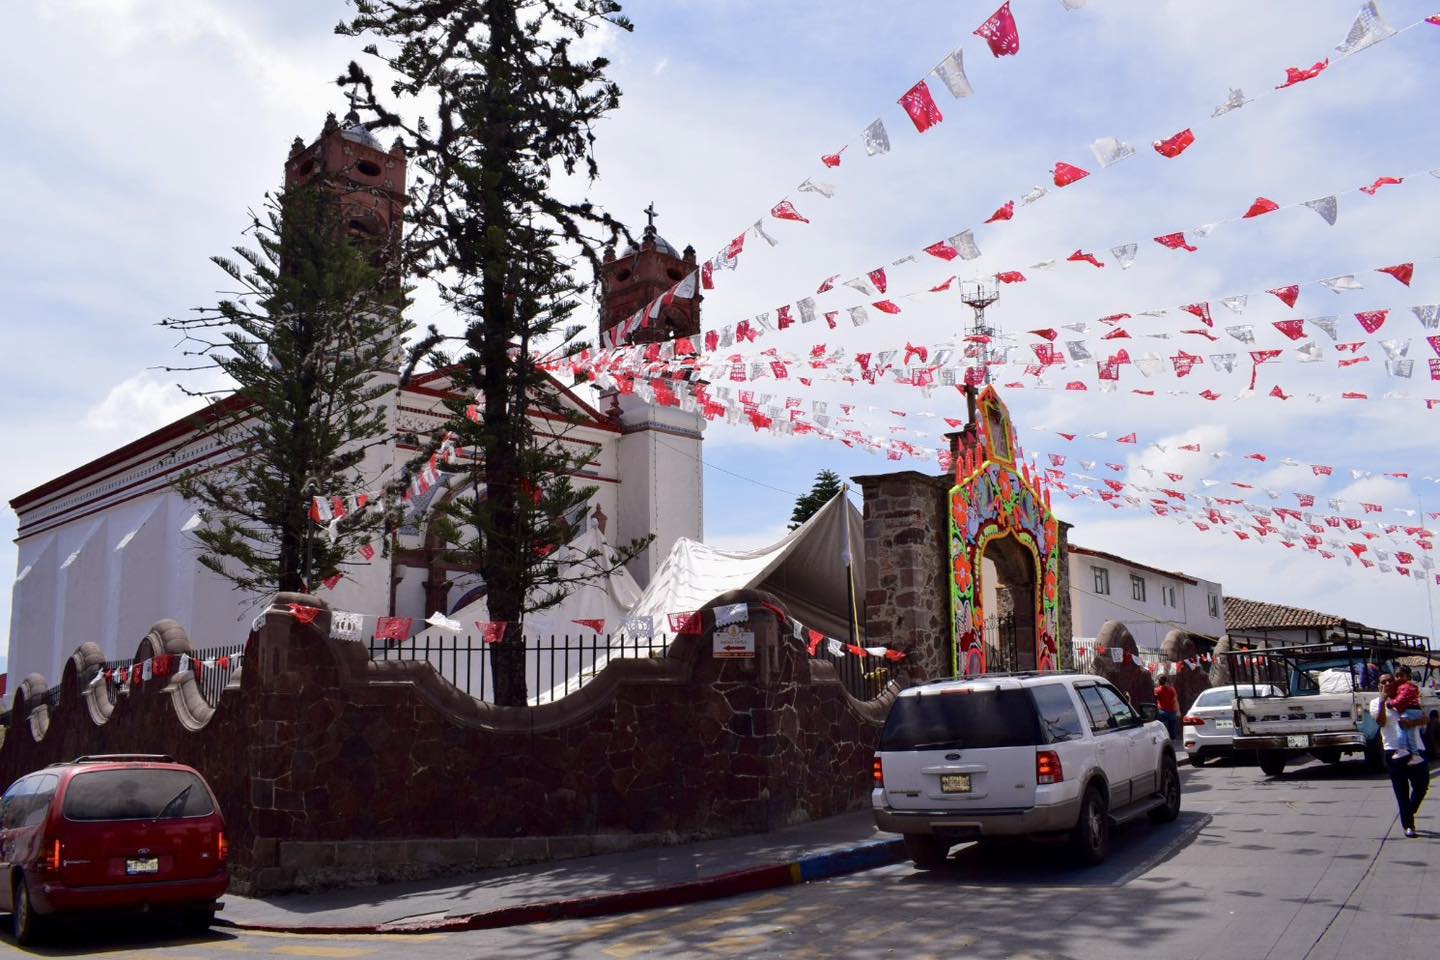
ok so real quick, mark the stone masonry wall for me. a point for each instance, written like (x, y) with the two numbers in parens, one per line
(334, 769)
(907, 570)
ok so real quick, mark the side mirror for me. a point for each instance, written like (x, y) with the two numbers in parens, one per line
(1149, 711)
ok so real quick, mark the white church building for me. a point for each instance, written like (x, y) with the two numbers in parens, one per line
(105, 550)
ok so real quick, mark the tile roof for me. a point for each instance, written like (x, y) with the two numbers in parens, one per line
(1241, 614)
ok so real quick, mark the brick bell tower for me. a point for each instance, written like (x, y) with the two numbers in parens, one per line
(661, 468)
(634, 279)
(369, 180)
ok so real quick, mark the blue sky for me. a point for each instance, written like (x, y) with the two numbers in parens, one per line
(141, 131)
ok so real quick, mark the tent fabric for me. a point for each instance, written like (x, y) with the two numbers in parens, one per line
(805, 570)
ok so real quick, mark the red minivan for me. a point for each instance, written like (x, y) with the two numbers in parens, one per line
(119, 832)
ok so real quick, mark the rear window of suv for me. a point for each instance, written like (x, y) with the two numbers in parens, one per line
(961, 721)
(136, 794)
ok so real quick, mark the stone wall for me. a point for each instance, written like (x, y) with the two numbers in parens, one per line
(334, 769)
(907, 570)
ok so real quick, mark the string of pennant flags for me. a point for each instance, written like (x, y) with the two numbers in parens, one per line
(1368, 30)
(681, 623)
(877, 282)
(163, 665)
(1393, 560)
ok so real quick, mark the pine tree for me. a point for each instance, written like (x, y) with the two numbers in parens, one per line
(502, 109)
(311, 341)
(827, 484)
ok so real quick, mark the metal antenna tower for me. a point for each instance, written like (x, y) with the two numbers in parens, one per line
(979, 294)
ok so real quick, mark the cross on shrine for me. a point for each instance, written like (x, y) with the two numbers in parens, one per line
(650, 215)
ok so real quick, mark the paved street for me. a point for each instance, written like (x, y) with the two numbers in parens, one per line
(1311, 866)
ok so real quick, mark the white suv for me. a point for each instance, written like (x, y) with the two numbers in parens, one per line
(1012, 755)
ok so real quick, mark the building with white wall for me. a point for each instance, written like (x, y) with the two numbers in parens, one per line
(105, 550)
(1149, 601)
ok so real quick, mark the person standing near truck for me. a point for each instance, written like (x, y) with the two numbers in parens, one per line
(1167, 704)
(1409, 781)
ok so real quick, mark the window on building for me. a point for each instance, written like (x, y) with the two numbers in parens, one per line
(1167, 594)
(1137, 587)
(1214, 606)
(1102, 580)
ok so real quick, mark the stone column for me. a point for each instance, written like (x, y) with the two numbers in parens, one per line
(906, 579)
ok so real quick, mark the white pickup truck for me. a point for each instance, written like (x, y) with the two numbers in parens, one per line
(1320, 706)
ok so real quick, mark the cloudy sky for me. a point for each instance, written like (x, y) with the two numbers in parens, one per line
(141, 131)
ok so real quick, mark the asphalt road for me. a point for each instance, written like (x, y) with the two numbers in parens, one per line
(1311, 865)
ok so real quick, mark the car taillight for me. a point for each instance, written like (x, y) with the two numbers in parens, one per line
(52, 855)
(877, 770)
(222, 847)
(1047, 767)
(1193, 722)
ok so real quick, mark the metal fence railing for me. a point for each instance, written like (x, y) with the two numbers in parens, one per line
(214, 679)
(555, 666)
(863, 677)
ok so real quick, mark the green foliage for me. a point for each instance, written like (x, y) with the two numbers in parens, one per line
(827, 484)
(310, 339)
(501, 109)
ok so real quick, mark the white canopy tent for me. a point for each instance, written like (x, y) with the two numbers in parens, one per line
(806, 570)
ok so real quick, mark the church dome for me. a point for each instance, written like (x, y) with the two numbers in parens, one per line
(357, 132)
(661, 244)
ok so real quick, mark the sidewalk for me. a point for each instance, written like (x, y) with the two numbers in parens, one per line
(585, 887)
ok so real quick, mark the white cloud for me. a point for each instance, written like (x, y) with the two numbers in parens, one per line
(139, 404)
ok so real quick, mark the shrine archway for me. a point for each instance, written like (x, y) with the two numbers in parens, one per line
(1004, 554)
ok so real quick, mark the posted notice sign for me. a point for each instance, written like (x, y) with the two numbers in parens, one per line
(732, 643)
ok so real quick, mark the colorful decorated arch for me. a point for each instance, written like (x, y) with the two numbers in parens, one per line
(992, 499)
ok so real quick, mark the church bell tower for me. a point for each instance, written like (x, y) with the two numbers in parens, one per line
(368, 179)
(633, 280)
(662, 477)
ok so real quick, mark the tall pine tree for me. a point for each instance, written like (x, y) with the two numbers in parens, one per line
(311, 340)
(827, 484)
(500, 109)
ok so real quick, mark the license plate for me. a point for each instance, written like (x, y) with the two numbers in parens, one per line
(955, 783)
(1224, 724)
(150, 865)
(1303, 740)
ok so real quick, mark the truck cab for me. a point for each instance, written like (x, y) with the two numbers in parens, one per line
(1319, 694)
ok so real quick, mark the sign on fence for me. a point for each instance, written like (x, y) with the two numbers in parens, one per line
(732, 643)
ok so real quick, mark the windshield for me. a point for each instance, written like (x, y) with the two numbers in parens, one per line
(964, 719)
(136, 794)
(1220, 696)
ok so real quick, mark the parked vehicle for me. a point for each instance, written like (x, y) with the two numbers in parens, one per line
(121, 832)
(1209, 725)
(1321, 704)
(1004, 755)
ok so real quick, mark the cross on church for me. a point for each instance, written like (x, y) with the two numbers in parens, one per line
(650, 214)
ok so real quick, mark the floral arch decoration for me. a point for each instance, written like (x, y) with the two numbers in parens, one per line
(993, 499)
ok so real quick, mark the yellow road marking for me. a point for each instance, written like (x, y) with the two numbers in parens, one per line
(661, 937)
(336, 953)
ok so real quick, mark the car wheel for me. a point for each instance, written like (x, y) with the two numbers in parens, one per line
(25, 922)
(1170, 790)
(1091, 837)
(1272, 762)
(1330, 755)
(926, 851)
(197, 921)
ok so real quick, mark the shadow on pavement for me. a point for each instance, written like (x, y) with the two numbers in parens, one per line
(1135, 849)
(85, 935)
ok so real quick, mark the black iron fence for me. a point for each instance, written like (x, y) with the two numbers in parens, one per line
(218, 665)
(1001, 653)
(863, 677)
(554, 667)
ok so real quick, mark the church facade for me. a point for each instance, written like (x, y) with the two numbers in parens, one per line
(105, 550)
